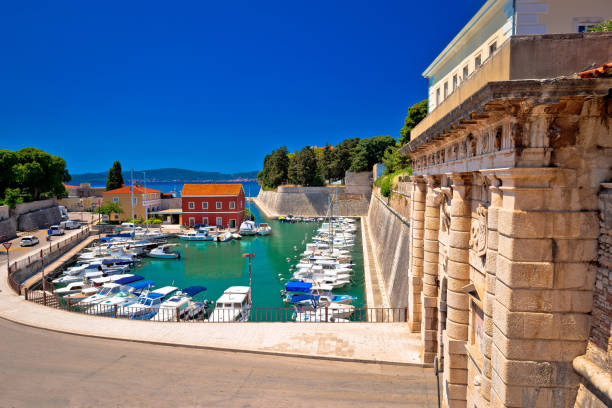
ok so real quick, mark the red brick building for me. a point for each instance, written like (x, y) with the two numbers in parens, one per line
(213, 204)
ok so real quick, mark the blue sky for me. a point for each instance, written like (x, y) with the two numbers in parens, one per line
(211, 86)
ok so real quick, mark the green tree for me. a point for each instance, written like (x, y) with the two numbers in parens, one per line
(342, 157)
(36, 173)
(601, 27)
(12, 197)
(393, 161)
(416, 113)
(108, 209)
(275, 168)
(325, 159)
(115, 177)
(303, 168)
(369, 152)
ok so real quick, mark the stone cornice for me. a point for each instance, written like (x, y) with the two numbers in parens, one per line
(541, 91)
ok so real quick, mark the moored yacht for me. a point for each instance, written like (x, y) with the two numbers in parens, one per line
(233, 305)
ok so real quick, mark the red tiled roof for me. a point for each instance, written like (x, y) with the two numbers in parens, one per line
(211, 189)
(603, 71)
(138, 189)
(68, 186)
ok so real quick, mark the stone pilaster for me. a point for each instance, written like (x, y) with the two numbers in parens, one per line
(429, 314)
(457, 301)
(543, 288)
(417, 224)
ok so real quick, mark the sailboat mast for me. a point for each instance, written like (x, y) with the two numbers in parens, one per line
(132, 197)
(146, 203)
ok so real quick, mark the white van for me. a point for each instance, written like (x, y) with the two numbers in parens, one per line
(55, 230)
(69, 225)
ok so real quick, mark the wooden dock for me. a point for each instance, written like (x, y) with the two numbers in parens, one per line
(49, 269)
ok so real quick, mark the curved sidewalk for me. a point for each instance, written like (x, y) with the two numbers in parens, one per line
(391, 343)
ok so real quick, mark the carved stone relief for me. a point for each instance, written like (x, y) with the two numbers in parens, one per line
(479, 231)
(442, 197)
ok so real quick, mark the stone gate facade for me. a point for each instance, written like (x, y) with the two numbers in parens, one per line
(505, 234)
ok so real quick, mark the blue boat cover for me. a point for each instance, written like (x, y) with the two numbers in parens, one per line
(129, 279)
(298, 287)
(154, 295)
(299, 298)
(142, 284)
(121, 235)
(193, 290)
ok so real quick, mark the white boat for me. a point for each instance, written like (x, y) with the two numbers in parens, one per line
(264, 229)
(180, 302)
(108, 290)
(147, 304)
(163, 252)
(317, 316)
(224, 236)
(236, 235)
(233, 305)
(197, 236)
(74, 287)
(83, 294)
(99, 281)
(248, 227)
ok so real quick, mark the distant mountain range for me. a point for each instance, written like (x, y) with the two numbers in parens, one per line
(166, 175)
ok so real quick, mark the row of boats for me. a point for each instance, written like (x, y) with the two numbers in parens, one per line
(247, 228)
(325, 265)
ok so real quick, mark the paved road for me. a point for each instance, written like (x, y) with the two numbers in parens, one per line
(42, 368)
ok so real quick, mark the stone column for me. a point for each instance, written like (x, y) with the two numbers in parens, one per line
(430, 271)
(548, 232)
(417, 224)
(457, 301)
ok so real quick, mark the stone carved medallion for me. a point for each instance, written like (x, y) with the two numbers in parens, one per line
(479, 232)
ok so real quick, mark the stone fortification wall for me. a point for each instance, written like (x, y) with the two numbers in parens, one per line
(29, 216)
(310, 202)
(390, 237)
(598, 359)
(8, 226)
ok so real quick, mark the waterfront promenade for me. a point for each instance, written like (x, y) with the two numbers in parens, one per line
(363, 342)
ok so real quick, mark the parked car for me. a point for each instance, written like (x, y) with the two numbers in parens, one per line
(68, 225)
(55, 230)
(29, 240)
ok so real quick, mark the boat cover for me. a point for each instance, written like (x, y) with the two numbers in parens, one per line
(142, 284)
(155, 295)
(193, 290)
(298, 286)
(299, 298)
(129, 279)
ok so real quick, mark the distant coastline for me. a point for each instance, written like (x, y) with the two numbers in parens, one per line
(169, 175)
(251, 188)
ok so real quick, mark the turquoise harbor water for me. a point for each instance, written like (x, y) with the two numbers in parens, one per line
(218, 265)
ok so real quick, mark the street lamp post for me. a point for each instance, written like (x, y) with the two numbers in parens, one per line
(250, 256)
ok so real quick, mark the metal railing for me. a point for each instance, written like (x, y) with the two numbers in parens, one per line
(207, 314)
(45, 252)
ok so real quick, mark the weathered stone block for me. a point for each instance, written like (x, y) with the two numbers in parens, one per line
(520, 224)
(458, 254)
(458, 269)
(533, 373)
(526, 250)
(456, 331)
(525, 274)
(457, 300)
(574, 276)
(575, 250)
(457, 315)
(461, 224)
